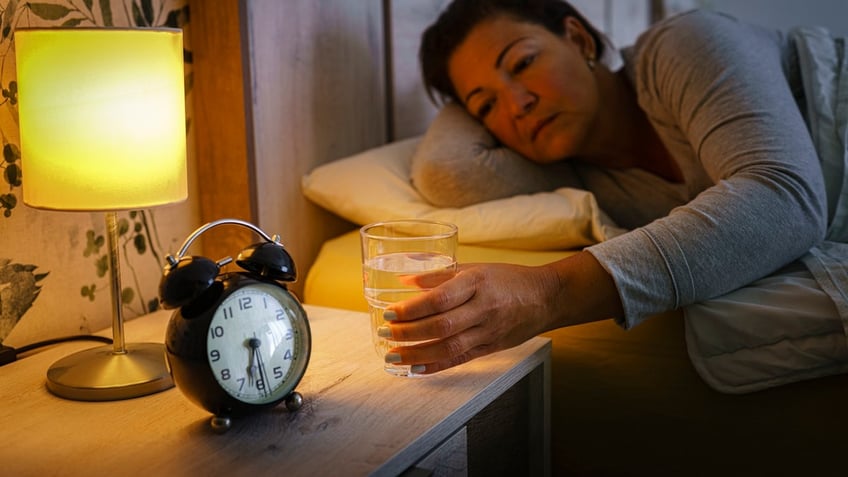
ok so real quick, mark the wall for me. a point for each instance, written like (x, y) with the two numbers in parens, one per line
(780, 14)
(54, 277)
(785, 14)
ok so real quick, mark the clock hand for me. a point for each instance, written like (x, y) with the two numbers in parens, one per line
(262, 373)
(251, 369)
(253, 344)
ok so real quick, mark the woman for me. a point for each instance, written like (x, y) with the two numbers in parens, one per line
(698, 145)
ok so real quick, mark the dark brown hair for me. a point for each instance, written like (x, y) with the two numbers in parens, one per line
(442, 38)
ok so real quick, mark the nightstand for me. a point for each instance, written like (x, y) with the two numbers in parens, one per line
(489, 416)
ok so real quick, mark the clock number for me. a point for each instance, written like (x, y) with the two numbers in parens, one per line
(228, 312)
(281, 314)
(225, 374)
(288, 354)
(260, 384)
(245, 303)
(216, 331)
(215, 355)
(241, 383)
(289, 334)
(278, 372)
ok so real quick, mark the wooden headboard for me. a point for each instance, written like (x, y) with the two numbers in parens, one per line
(282, 87)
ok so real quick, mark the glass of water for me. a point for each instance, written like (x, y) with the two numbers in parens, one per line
(393, 253)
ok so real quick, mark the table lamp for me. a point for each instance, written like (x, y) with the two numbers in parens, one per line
(102, 123)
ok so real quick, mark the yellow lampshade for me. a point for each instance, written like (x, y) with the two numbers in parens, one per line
(102, 117)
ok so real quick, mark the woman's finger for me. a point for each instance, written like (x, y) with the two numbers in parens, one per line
(427, 280)
(449, 349)
(432, 327)
(443, 364)
(448, 295)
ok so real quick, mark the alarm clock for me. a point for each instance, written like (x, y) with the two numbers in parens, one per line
(237, 342)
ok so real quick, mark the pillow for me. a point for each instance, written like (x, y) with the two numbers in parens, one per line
(460, 163)
(375, 185)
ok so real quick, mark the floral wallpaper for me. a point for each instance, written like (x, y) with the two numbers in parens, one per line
(54, 268)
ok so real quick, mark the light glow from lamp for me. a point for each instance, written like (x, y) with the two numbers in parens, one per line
(102, 118)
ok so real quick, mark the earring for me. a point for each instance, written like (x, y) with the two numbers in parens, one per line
(591, 62)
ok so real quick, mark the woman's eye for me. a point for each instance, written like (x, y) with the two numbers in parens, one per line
(484, 109)
(523, 63)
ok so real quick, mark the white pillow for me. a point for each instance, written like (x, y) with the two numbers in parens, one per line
(375, 185)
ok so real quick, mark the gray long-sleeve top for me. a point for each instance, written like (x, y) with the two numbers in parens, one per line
(724, 97)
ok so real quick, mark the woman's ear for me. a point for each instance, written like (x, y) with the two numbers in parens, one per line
(577, 33)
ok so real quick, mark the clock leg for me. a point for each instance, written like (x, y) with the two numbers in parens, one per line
(294, 401)
(220, 424)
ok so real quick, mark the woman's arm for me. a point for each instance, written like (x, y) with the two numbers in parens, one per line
(490, 307)
(719, 87)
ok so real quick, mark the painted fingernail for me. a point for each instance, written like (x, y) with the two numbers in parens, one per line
(392, 358)
(417, 368)
(389, 315)
(384, 332)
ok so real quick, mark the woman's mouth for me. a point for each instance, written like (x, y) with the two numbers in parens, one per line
(540, 126)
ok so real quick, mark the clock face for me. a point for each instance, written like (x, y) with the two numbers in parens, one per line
(258, 343)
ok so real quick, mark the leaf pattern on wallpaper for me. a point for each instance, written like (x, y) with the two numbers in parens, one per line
(136, 237)
(105, 12)
(19, 284)
(19, 287)
(49, 11)
(8, 14)
(143, 15)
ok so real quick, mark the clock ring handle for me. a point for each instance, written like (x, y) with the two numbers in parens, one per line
(173, 259)
(185, 279)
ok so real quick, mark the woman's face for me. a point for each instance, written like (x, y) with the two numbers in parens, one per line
(531, 88)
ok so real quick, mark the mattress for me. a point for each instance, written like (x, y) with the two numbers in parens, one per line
(631, 403)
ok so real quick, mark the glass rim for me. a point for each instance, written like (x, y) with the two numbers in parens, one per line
(453, 230)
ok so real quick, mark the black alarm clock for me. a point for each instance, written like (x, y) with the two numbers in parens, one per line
(237, 342)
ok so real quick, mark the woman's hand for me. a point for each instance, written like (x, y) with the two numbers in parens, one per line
(484, 308)
(491, 307)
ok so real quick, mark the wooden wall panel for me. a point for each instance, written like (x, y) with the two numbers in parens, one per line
(316, 89)
(219, 124)
(412, 109)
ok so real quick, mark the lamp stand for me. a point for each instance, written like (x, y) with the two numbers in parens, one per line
(119, 371)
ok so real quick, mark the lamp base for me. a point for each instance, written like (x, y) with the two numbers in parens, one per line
(101, 374)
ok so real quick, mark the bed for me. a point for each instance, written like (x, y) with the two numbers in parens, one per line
(623, 403)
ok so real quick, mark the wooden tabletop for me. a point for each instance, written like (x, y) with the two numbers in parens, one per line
(356, 419)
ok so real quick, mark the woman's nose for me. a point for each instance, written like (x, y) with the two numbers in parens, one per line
(521, 100)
